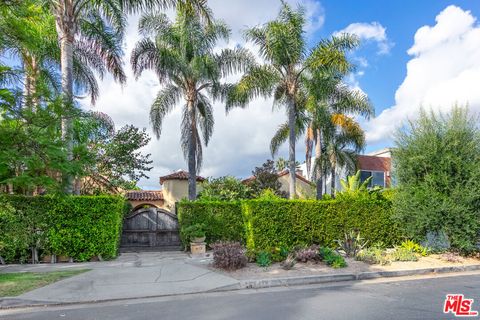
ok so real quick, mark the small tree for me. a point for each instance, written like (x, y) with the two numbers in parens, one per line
(266, 177)
(436, 167)
(225, 189)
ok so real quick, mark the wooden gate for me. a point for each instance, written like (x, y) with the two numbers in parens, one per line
(150, 229)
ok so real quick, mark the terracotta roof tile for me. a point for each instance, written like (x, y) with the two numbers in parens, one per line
(143, 195)
(178, 175)
(374, 163)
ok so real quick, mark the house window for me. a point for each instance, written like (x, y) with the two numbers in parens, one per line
(378, 178)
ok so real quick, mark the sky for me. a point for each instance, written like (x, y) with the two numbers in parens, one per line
(413, 54)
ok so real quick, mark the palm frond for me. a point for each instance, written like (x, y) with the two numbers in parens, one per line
(165, 101)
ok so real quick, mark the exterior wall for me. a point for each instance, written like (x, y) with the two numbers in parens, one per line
(174, 191)
(304, 190)
(156, 203)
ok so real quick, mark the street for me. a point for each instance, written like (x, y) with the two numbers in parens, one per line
(405, 299)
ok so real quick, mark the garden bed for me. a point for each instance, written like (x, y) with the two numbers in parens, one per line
(253, 271)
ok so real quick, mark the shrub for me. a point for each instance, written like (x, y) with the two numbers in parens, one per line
(331, 258)
(224, 189)
(194, 231)
(373, 255)
(352, 244)
(76, 226)
(289, 262)
(223, 221)
(436, 242)
(308, 254)
(228, 255)
(263, 259)
(436, 167)
(402, 254)
(414, 247)
(303, 222)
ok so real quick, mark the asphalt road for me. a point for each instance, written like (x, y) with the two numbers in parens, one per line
(406, 299)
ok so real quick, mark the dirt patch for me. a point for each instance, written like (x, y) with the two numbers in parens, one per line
(252, 271)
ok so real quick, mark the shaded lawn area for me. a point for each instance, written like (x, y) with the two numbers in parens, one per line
(14, 284)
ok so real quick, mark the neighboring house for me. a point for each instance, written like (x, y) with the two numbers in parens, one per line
(304, 188)
(174, 189)
(376, 164)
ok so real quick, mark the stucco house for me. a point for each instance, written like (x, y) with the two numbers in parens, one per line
(174, 189)
(304, 187)
(377, 164)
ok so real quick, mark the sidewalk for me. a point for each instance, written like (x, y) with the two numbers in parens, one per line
(154, 274)
(132, 275)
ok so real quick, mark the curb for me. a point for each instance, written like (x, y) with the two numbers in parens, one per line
(318, 279)
(256, 284)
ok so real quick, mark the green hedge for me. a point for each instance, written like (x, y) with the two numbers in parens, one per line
(266, 224)
(223, 220)
(76, 226)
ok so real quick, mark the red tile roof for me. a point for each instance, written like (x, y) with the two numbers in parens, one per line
(142, 195)
(178, 175)
(374, 163)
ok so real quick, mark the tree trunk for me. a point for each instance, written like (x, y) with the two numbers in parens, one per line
(192, 153)
(291, 149)
(318, 169)
(66, 61)
(332, 192)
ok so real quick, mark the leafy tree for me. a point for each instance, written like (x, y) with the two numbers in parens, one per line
(281, 43)
(436, 166)
(182, 55)
(225, 189)
(266, 177)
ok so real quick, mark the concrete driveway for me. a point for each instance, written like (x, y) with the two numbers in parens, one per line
(132, 275)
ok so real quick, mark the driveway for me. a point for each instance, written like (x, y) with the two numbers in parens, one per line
(132, 275)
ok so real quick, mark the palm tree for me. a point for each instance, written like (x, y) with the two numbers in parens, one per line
(330, 99)
(344, 140)
(182, 56)
(282, 45)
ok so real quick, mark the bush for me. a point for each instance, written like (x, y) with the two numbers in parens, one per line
(414, 247)
(263, 259)
(267, 224)
(436, 167)
(373, 255)
(194, 231)
(331, 258)
(224, 189)
(308, 254)
(402, 254)
(76, 226)
(228, 255)
(303, 222)
(223, 221)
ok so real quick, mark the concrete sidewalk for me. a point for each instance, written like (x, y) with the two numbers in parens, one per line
(132, 275)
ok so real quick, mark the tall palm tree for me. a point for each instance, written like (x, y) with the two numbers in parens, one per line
(98, 26)
(330, 99)
(181, 54)
(283, 47)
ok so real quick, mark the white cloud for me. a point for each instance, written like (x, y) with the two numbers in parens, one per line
(373, 31)
(444, 70)
(240, 140)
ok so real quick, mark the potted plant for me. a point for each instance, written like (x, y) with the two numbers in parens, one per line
(195, 233)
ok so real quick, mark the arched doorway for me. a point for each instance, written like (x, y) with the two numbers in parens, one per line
(150, 229)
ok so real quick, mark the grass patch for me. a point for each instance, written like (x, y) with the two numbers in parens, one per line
(14, 284)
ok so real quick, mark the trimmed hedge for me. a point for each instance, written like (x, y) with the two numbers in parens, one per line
(267, 224)
(222, 220)
(75, 226)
